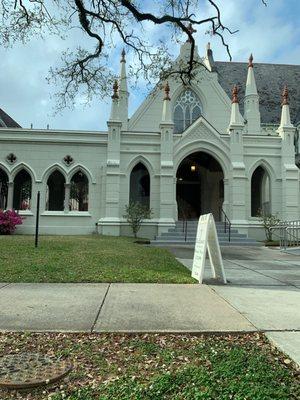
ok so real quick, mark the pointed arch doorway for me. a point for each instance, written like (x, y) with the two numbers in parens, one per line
(199, 186)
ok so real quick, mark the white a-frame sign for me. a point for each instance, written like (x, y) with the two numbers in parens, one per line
(207, 239)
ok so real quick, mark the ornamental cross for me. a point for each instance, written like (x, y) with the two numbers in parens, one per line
(191, 30)
(11, 158)
(68, 159)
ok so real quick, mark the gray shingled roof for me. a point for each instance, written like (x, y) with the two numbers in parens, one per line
(270, 79)
(6, 121)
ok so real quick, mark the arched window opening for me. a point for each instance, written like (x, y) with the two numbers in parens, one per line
(260, 192)
(140, 185)
(79, 192)
(22, 191)
(55, 194)
(186, 110)
(3, 190)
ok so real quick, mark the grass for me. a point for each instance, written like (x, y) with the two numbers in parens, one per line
(87, 259)
(161, 367)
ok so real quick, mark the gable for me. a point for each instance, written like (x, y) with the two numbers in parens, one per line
(6, 121)
(216, 104)
(201, 130)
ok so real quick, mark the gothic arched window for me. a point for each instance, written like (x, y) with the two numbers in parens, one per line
(3, 189)
(140, 185)
(22, 191)
(79, 192)
(55, 195)
(260, 192)
(186, 110)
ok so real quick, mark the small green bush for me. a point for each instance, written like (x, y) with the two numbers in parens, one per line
(135, 213)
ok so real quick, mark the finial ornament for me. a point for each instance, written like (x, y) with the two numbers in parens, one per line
(235, 94)
(167, 91)
(250, 63)
(123, 56)
(208, 46)
(285, 96)
(115, 88)
(191, 30)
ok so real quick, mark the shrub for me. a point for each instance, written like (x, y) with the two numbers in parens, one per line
(9, 220)
(268, 221)
(135, 213)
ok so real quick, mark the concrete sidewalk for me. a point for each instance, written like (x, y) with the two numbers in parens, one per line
(117, 308)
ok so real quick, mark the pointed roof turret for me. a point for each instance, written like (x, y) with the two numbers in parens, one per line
(235, 118)
(123, 92)
(166, 113)
(285, 120)
(123, 77)
(250, 83)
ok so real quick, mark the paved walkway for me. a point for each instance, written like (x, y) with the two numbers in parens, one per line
(117, 308)
(263, 294)
(264, 287)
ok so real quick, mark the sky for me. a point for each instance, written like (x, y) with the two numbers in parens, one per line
(271, 33)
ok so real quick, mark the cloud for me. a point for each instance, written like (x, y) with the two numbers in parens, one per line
(271, 33)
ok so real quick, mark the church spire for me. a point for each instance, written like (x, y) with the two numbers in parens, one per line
(250, 83)
(251, 101)
(166, 113)
(123, 92)
(285, 110)
(123, 77)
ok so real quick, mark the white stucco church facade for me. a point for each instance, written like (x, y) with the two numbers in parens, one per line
(187, 150)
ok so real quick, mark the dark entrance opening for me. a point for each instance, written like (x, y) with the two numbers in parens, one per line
(200, 186)
(260, 192)
(140, 185)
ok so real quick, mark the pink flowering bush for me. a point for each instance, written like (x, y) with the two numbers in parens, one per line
(9, 220)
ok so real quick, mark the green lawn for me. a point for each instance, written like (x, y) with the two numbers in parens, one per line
(160, 367)
(86, 259)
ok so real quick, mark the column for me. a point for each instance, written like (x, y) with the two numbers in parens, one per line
(10, 195)
(67, 197)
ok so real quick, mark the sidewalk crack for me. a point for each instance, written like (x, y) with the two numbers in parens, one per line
(100, 308)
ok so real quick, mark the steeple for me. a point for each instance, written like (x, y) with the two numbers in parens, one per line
(251, 101)
(114, 113)
(123, 78)
(166, 113)
(286, 131)
(236, 119)
(250, 84)
(285, 110)
(123, 93)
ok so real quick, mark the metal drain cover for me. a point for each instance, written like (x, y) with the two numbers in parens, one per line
(26, 370)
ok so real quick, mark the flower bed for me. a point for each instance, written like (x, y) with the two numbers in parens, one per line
(9, 220)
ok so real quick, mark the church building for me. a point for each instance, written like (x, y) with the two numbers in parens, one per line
(227, 143)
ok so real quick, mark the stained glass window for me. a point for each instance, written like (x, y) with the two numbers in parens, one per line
(186, 110)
